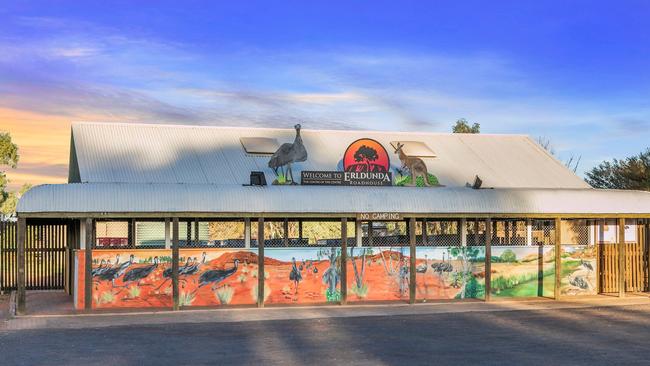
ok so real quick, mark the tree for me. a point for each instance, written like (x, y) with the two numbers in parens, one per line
(630, 173)
(366, 154)
(8, 207)
(8, 157)
(508, 256)
(462, 126)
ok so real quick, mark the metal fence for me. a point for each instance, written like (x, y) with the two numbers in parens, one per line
(45, 255)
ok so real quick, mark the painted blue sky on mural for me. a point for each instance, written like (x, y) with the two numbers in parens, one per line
(574, 72)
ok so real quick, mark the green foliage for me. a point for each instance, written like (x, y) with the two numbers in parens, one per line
(360, 292)
(134, 292)
(8, 207)
(267, 292)
(185, 298)
(333, 296)
(502, 283)
(8, 150)
(9, 157)
(508, 256)
(462, 126)
(473, 289)
(629, 173)
(224, 294)
(106, 297)
(403, 180)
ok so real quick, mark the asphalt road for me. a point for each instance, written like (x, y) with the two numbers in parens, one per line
(591, 336)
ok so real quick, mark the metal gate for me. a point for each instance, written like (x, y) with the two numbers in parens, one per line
(45, 255)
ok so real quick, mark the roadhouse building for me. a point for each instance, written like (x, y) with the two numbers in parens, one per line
(183, 216)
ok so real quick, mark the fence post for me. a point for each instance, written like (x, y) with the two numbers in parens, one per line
(88, 268)
(621, 257)
(175, 259)
(412, 260)
(260, 259)
(488, 257)
(558, 258)
(20, 258)
(344, 260)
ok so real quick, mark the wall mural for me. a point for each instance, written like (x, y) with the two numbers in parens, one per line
(450, 273)
(516, 271)
(206, 277)
(302, 275)
(578, 270)
(378, 273)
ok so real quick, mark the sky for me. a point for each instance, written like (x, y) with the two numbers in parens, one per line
(574, 72)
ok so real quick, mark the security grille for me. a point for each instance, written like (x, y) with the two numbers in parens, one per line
(509, 232)
(441, 233)
(543, 232)
(149, 234)
(302, 233)
(577, 232)
(475, 232)
(384, 233)
(111, 234)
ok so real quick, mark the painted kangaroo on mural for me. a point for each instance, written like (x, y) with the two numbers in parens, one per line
(415, 166)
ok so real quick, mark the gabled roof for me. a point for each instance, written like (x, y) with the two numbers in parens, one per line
(145, 153)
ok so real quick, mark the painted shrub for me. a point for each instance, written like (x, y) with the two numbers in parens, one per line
(378, 274)
(450, 272)
(518, 272)
(578, 270)
(302, 275)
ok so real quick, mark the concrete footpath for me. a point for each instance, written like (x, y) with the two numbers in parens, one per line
(101, 320)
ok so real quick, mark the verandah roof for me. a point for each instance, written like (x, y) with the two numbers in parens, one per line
(210, 198)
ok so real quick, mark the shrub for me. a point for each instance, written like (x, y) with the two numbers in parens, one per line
(360, 292)
(134, 291)
(224, 294)
(185, 298)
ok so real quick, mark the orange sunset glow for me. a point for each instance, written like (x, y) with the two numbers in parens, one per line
(43, 144)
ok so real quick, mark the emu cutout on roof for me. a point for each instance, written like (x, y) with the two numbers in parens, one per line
(365, 163)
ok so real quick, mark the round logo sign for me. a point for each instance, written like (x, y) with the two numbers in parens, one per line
(366, 155)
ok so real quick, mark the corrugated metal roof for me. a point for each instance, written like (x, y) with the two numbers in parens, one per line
(210, 198)
(136, 153)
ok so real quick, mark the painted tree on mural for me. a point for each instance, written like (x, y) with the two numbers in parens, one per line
(332, 274)
(466, 255)
(359, 288)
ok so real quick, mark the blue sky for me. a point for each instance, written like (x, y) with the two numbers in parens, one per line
(577, 73)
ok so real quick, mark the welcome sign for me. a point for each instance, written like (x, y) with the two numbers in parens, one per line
(365, 163)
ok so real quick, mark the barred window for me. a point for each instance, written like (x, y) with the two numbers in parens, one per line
(111, 234)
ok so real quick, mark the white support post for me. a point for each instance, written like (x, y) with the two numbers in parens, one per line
(168, 239)
(463, 232)
(82, 235)
(247, 232)
(358, 232)
(529, 232)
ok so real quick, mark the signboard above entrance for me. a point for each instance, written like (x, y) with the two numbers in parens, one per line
(379, 216)
(365, 163)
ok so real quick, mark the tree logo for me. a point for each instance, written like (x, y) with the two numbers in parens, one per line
(366, 155)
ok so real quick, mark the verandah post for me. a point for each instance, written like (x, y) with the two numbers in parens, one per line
(260, 259)
(20, 257)
(88, 267)
(412, 260)
(488, 257)
(344, 260)
(175, 259)
(621, 257)
(558, 258)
